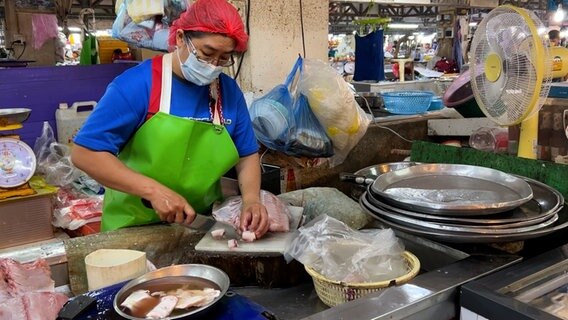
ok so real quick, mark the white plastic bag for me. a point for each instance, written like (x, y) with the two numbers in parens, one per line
(140, 10)
(333, 103)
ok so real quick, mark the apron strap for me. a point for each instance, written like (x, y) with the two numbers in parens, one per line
(167, 74)
(155, 90)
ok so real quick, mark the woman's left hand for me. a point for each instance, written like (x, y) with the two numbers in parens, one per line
(254, 217)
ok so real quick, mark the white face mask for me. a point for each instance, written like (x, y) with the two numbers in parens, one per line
(198, 72)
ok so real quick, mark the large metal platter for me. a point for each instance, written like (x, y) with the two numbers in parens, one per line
(196, 276)
(452, 189)
(545, 203)
(503, 229)
(444, 236)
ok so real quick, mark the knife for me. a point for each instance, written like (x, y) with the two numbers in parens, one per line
(205, 223)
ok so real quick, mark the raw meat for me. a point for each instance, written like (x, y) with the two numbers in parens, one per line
(25, 278)
(164, 308)
(44, 305)
(134, 298)
(33, 306)
(195, 298)
(248, 236)
(218, 234)
(13, 309)
(4, 294)
(278, 212)
(232, 244)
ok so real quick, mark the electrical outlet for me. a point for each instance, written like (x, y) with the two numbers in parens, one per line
(19, 39)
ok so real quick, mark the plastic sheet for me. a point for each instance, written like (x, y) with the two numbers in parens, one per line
(343, 254)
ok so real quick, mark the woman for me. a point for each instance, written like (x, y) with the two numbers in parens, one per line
(166, 130)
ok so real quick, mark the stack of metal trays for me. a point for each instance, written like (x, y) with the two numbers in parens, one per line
(464, 204)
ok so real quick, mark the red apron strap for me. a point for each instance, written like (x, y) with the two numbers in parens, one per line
(156, 89)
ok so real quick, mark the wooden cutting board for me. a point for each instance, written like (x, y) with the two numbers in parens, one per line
(271, 242)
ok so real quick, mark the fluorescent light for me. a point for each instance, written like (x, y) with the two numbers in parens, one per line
(72, 29)
(559, 14)
(473, 24)
(402, 26)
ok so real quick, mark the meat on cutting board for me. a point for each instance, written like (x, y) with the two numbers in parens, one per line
(218, 234)
(278, 213)
(4, 293)
(22, 278)
(248, 236)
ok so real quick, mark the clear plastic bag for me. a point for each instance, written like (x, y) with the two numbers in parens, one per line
(151, 33)
(342, 254)
(333, 102)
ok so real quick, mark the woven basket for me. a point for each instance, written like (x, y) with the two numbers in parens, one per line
(333, 293)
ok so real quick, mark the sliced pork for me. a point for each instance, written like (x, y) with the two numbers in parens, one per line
(13, 309)
(164, 308)
(195, 298)
(248, 236)
(232, 244)
(218, 234)
(22, 278)
(278, 213)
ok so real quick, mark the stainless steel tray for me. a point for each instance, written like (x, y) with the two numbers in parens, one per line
(444, 236)
(197, 276)
(546, 202)
(503, 229)
(452, 189)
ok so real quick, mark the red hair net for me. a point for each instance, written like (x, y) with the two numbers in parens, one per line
(214, 16)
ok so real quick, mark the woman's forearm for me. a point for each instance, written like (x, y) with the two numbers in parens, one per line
(248, 173)
(105, 168)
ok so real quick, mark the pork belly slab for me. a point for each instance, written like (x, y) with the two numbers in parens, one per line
(33, 306)
(22, 278)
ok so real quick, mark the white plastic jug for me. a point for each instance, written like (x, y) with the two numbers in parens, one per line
(70, 119)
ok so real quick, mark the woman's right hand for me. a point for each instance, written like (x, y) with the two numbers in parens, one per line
(170, 206)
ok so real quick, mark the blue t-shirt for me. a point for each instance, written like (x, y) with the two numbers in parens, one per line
(123, 108)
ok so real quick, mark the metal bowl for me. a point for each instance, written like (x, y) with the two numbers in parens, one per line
(372, 172)
(198, 276)
(13, 116)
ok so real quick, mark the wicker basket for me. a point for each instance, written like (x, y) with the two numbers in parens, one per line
(333, 293)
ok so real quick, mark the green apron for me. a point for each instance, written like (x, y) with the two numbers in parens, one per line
(187, 156)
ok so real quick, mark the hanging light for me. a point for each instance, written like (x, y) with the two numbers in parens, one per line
(559, 14)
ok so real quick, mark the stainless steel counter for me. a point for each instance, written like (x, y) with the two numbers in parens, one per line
(431, 295)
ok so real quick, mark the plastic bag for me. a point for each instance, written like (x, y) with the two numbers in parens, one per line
(333, 103)
(140, 10)
(53, 159)
(308, 138)
(342, 254)
(74, 209)
(151, 33)
(272, 116)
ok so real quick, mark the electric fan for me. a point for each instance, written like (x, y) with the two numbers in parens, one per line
(512, 67)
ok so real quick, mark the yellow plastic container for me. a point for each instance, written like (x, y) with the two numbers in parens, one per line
(334, 293)
(107, 46)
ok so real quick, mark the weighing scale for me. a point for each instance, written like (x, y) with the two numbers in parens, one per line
(17, 160)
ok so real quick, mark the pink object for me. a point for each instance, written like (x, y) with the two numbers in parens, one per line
(44, 27)
(212, 16)
(4, 294)
(232, 244)
(26, 278)
(43, 305)
(248, 236)
(278, 212)
(218, 234)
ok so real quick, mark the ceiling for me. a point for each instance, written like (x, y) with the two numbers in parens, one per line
(342, 13)
(426, 13)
